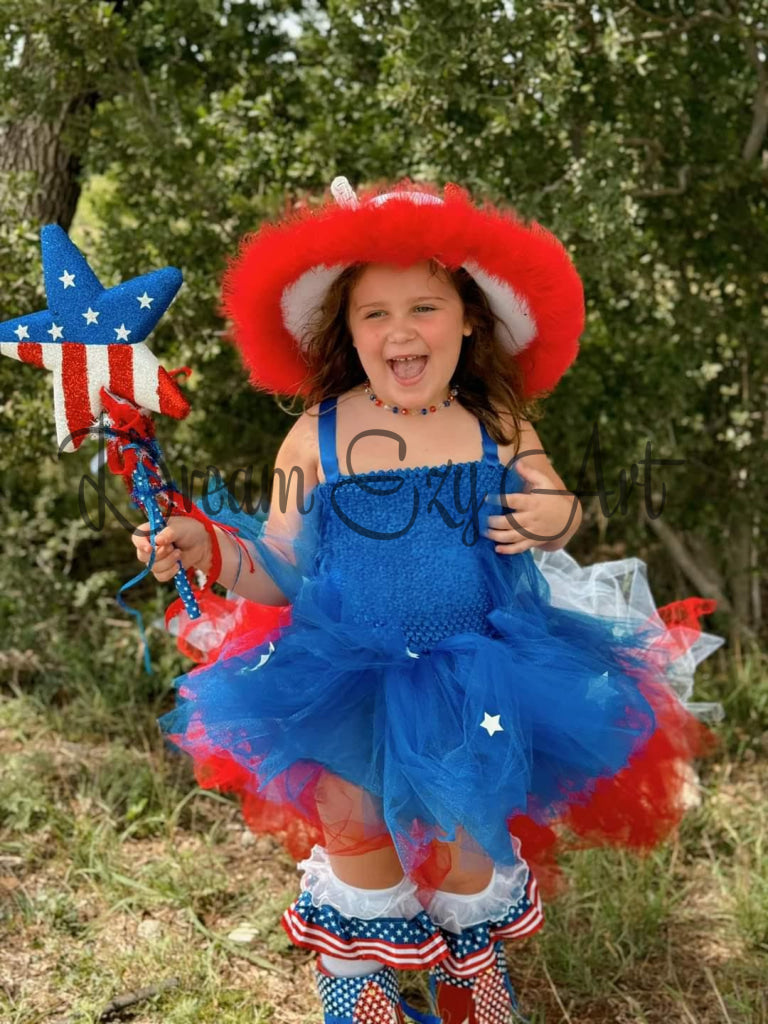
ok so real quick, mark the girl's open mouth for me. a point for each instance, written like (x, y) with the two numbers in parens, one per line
(409, 369)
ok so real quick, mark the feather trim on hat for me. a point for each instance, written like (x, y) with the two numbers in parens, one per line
(274, 286)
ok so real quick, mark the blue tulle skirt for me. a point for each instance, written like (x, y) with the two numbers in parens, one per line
(526, 718)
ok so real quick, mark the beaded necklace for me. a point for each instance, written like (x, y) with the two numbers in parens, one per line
(399, 410)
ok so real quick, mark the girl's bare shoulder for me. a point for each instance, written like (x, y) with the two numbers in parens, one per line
(519, 432)
(530, 451)
(301, 445)
(528, 444)
(300, 449)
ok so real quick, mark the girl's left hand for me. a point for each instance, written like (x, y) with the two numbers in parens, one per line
(540, 516)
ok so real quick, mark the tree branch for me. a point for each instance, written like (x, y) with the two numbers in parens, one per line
(687, 563)
(759, 126)
(653, 149)
(671, 19)
(128, 999)
(665, 190)
(674, 25)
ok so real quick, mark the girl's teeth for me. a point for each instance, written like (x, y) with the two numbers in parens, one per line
(408, 368)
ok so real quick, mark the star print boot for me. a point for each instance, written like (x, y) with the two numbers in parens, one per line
(483, 998)
(370, 999)
(471, 984)
(363, 937)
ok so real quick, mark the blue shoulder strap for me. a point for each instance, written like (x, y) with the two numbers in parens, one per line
(326, 426)
(490, 448)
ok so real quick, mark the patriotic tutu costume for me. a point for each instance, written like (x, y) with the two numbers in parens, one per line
(462, 696)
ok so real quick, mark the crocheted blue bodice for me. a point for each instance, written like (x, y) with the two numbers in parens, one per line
(403, 543)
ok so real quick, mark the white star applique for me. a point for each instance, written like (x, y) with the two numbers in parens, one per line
(55, 332)
(145, 301)
(122, 333)
(411, 654)
(67, 279)
(262, 660)
(91, 316)
(491, 724)
(22, 332)
(599, 690)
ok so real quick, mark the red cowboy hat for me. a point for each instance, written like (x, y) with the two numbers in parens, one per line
(278, 280)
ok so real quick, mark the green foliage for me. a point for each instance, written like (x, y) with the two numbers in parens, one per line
(623, 128)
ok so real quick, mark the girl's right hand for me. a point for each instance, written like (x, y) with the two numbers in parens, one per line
(182, 540)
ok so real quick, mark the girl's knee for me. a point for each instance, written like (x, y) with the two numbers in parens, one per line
(358, 842)
(376, 869)
(466, 883)
(469, 870)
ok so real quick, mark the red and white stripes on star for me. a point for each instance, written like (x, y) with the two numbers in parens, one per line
(81, 371)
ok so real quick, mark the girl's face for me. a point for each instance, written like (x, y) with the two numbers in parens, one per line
(407, 326)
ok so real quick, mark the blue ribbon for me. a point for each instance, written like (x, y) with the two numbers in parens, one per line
(144, 495)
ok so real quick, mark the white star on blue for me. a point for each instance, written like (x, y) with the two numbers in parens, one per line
(600, 690)
(492, 724)
(81, 310)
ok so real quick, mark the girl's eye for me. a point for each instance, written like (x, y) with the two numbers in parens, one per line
(376, 314)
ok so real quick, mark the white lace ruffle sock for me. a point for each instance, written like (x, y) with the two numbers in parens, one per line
(327, 889)
(456, 911)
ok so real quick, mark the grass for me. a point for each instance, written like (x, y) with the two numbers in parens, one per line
(117, 873)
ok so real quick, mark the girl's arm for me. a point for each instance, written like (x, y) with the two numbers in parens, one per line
(185, 540)
(542, 520)
(294, 479)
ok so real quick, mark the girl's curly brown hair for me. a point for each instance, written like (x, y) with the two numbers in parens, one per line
(487, 379)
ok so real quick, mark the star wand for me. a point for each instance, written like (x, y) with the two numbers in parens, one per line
(92, 339)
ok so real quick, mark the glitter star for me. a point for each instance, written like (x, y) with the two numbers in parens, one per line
(491, 724)
(91, 358)
(145, 301)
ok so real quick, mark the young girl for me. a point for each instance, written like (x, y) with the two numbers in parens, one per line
(430, 714)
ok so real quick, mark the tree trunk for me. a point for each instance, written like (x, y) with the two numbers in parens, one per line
(49, 155)
(740, 568)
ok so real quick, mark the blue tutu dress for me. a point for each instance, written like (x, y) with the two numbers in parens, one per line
(435, 674)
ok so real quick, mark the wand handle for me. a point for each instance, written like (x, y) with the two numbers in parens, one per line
(156, 523)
